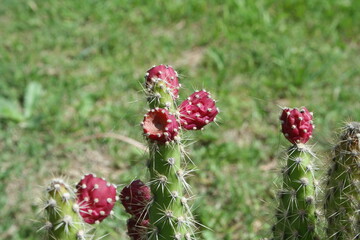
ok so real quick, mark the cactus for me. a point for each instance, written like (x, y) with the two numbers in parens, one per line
(96, 198)
(160, 210)
(166, 214)
(342, 203)
(63, 221)
(296, 215)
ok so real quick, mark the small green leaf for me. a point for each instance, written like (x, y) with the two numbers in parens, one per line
(217, 59)
(10, 110)
(32, 94)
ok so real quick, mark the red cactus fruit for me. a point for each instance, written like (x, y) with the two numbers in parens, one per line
(137, 229)
(296, 124)
(96, 198)
(160, 125)
(197, 110)
(165, 73)
(135, 198)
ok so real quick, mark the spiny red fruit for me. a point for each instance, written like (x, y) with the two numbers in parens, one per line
(138, 229)
(160, 125)
(166, 74)
(197, 110)
(96, 198)
(297, 124)
(135, 198)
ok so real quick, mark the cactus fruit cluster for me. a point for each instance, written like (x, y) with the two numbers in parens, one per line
(160, 208)
(69, 212)
(342, 201)
(166, 212)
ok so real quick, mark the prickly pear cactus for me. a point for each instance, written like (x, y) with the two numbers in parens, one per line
(296, 215)
(342, 203)
(165, 213)
(63, 221)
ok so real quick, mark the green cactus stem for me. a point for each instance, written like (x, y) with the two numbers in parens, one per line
(63, 221)
(169, 211)
(296, 216)
(342, 203)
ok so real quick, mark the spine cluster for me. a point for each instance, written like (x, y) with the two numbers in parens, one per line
(296, 213)
(342, 203)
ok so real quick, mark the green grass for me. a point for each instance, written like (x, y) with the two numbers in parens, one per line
(89, 58)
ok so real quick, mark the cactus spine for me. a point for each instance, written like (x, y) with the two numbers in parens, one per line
(168, 211)
(296, 216)
(342, 203)
(63, 220)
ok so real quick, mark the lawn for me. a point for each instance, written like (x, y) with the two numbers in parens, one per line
(72, 69)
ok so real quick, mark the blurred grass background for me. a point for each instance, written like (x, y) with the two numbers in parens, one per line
(71, 69)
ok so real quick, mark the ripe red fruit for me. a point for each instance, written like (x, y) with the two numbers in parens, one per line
(135, 198)
(160, 125)
(137, 229)
(96, 198)
(166, 74)
(297, 125)
(197, 110)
